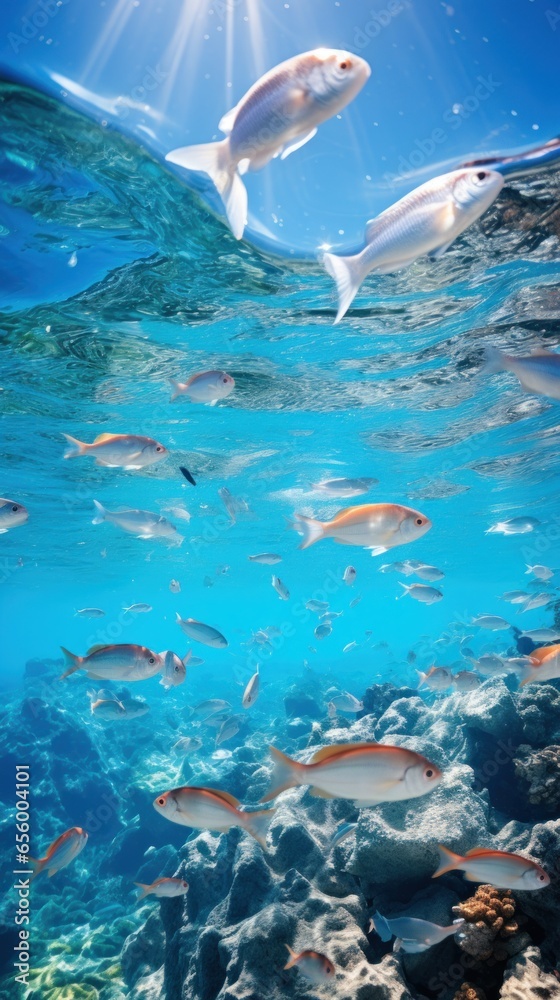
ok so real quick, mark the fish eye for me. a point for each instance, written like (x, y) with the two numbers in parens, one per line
(225, 380)
(345, 64)
(481, 175)
(161, 801)
(541, 878)
(177, 669)
(419, 520)
(152, 659)
(15, 508)
(429, 772)
(159, 447)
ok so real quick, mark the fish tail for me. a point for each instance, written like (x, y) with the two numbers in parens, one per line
(380, 925)
(176, 389)
(284, 774)
(348, 272)
(448, 861)
(526, 676)
(257, 824)
(406, 589)
(422, 679)
(76, 448)
(37, 864)
(145, 890)
(493, 361)
(100, 512)
(292, 959)
(214, 159)
(73, 663)
(312, 529)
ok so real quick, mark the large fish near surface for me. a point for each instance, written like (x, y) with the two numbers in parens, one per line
(499, 868)
(538, 372)
(122, 662)
(118, 451)
(278, 115)
(62, 851)
(211, 809)
(375, 526)
(426, 221)
(369, 773)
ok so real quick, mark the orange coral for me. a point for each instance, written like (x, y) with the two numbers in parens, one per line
(490, 927)
(469, 992)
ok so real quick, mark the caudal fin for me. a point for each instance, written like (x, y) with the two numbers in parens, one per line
(213, 158)
(292, 959)
(177, 391)
(406, 590)
(76, 448)
(100, 512)
(421, 679)
(381, 926)
(284, 774)
(348, 272)
(493, 361)
(448, 861)
(145, 890)
(37, 864)
(73, 663)
(311, 529)
(257, 824)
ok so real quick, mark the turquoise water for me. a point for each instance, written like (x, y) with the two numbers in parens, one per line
(116, 278)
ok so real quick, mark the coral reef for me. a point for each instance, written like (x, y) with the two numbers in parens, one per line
(491, 931)
(469, 992)
(538, 772)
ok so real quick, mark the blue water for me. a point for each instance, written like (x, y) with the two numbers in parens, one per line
(116, 278)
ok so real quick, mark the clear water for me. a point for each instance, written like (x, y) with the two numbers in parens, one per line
(116, 278)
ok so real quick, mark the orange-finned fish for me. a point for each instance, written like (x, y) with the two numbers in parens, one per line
(278, 115)
(205, 387)
(436, 679)
(62, 851)
(369, 773)
(211, 809)
(164, 888)
(544, 665)
(498, 868)
(122, 662)
(314, 966)
(119, 451)
(375, 526)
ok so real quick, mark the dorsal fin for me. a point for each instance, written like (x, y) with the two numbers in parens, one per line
(104, 437)
(333, 751)
(99, 645)
(477, 852)
(230, 799)
(227, 121)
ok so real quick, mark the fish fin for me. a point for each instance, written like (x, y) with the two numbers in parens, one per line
(93, 649)
(186, 658)
(212, 402)
(318, 793)
(73, 662)
(378, 550)
(76, 447)
(177, 391)
(108, 465)
(297, 144)
(364, 803)
(448, 861)
(478, 852)
(37, 864)
(312, 529)
(145, 890)
(422, 680)
(284, 774)
(226, 122)
(398, 945)
(243, 165)
(439, 251)
(213, 158)
(51, 872)
(493, 361)
(103, 437)
(335, 748)
(3, 531)
(165, 683)
(292, 959)
(257, 824)
(348, 273)
(541, 352)
(469, 877)
(406, 590)
(381, 926)
(100, 512)
(227, 797)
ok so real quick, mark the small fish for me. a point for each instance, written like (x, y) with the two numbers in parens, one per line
(61, 852)
(430, 573)
(489, 665)
(181, 512)
(369, 773)
(217, 719)
(211, 809)
(466, 680)
(277, 115)
(436, 679)
(163, 888)
(205, 387)
(124, 662)
(349, 576)
(12, 514)
(134, 707)
(378, 527)
(412, 935)
(514, 526)
(233, 505)
(354, 603)
(342, 831)
(251, 692)
(187, 744)
(540, 572)
(350, 646)
(515, 596)
(538, 372)
(544, 665)
(280, 588)
(199, 632)
(142, 523)
(498, 868)
(175, 586)
(317, 606)
(206, 708)
(90, 613)
(315, 967)
(174, 669)
(493, 623)
(138, 609)
(426, 221)
(105, 705)
(322, 631)
(345, 488)
(188, 476)
(536, 601)
(542, 634)
(119, 451)
(346, 702)
(420, 592)
(228, 729)
(266, 558)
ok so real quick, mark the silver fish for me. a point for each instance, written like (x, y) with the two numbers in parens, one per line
(345, 487)
(200, 632)
(540, 572)
(465, 680)
(251, 692)
(90, 613)
(186, 744)
(204, 709)
(421, 592)
(346, 702)
(426, 221)
(538, 372)
(494, 623)
(233, 505)
(12, 514)
(118, 451)
(205, 387)
(412, 935)
(349, 576)
(142, 523)
(174, 669)
(536, 601)
(278, 115)
(514, 526)
(266, 558)
(542, 634)
(342, 831)
(322, 631)
(138, 609)
(317, 606)
(229, 728)
(280, 588)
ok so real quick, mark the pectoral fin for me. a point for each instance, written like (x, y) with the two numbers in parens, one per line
(298, 143)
